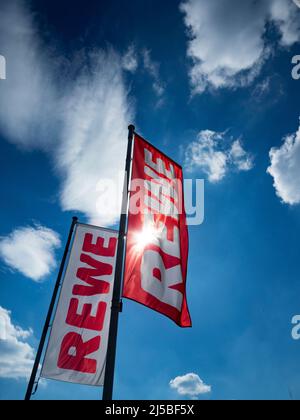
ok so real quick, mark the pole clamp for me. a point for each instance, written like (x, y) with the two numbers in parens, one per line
(117, 306)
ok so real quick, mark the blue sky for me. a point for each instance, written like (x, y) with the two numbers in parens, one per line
(210, 84)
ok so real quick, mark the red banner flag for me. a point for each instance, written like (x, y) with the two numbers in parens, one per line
(78, 341)
(157, 240)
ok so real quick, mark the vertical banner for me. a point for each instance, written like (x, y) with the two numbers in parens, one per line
(157, 240)
(77, 346)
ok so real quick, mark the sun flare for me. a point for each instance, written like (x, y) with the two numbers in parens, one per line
(147, 236)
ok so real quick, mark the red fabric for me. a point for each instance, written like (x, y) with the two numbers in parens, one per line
(133, 288)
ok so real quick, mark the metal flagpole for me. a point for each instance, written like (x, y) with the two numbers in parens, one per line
(50, 312)
(116, 304)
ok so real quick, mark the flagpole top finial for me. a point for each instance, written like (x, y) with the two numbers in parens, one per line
(131, 127)
(75, 219)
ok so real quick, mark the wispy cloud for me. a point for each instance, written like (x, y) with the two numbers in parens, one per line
(239, 158)
(190, 385)
(285, 169)
(77, 110)
(227, 42)
(30, 251)
(28, 96)
(286, 18)
(297, 2)
(16, 355)
(130, 59)
(135, 58)
(215, 154)
(93, 140)
(152, 68)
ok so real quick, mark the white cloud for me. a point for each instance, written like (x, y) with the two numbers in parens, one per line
(190, 385)
(262, 89)
(94, 139)
(30, 251)
(153, 69)
(16, 356)
(130, 59)
(239, 157)
(297, 2)
(28, 96)
(286, 17)
(84, 128)
(130, 62)
(285, 169)
(212, 154)
(227, 41)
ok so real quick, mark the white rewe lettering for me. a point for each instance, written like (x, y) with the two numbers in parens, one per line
(161, 274)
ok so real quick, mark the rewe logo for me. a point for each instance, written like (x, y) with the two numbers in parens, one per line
(2, 68)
